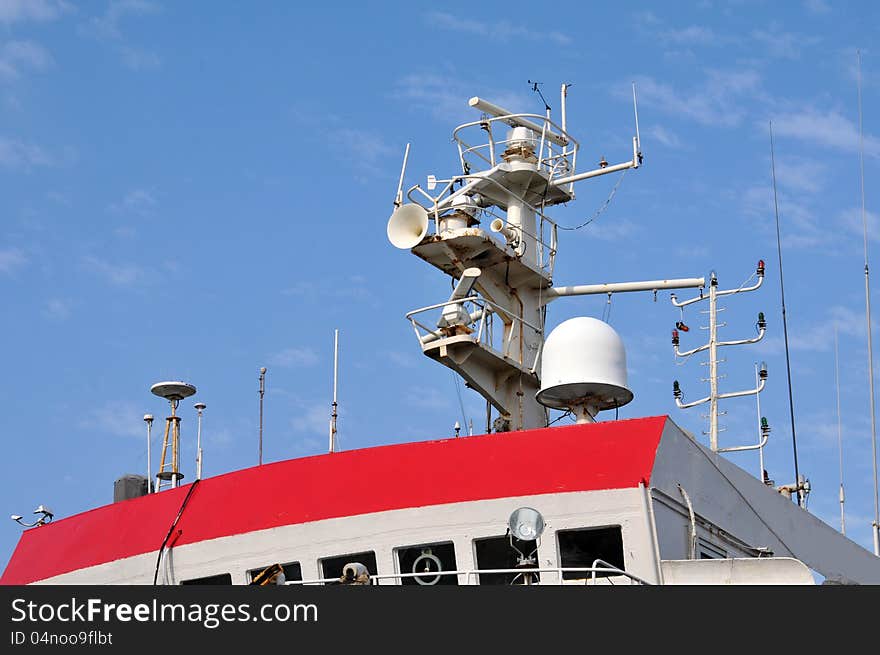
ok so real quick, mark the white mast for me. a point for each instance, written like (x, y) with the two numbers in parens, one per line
(875, 525)
(712, 346)
(335, 381)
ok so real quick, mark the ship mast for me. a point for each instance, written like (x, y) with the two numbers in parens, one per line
(514, 167)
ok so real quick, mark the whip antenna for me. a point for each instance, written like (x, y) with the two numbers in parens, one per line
(839, 434)
(335, 380)
(875, 525)
(784, 321)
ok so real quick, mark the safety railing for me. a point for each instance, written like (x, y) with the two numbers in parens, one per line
(471, 576)
(480, 326)
(556, 162)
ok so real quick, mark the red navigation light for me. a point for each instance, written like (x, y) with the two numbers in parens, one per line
(760, 266)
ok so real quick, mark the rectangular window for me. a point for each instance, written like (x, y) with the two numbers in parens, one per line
(498, 553)
(708, 550)
(292, 572)
(580, 548)
(331, 567)
(220, 578)
(429, 560)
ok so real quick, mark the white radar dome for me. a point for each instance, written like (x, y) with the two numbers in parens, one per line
(583, 364)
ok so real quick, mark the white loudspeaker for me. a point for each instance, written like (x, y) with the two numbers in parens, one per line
(407, 226)
(497, 225)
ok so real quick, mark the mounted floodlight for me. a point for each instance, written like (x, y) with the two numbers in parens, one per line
(454, 313)
(526, 524)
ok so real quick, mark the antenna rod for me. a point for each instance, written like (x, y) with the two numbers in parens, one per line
(760, 435)
(398, 199)
(199, 408)
(875, 525)
(148, 419)
(636, 112)
(335, 384)
(839, 434)
(784, 321)
(262, 392)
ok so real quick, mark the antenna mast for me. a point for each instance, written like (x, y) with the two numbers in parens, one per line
(712, 346)
(335, 384)
(784, 320)
(875, 525)
(262, 393)
(839, 434)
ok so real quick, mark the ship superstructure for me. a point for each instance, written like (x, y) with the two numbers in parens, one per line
(636, 501)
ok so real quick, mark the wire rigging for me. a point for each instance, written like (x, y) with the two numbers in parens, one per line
(602, 207)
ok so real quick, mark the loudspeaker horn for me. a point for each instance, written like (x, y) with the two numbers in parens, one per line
(407, 226)
(497, 225)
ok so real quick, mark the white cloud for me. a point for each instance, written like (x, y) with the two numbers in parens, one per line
(117, 419)
(136, 201)
(294, 357)
(785, 45)
(611, 229)
(11, 259)
(107, 25)
(818, 337)
(693, 35)
(664, 136)
(14, 11)
(428, 398)
(446, 96)
(22, 156)
(18, 55)
(121, 275)
(828, 128)
(719, 100)
(851, 220)
(502, 30)
(801, 174)
(107, 28)
(817, 6)
(58, 309)
(315, 418)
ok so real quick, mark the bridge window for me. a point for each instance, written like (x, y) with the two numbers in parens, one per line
(580, 548)
(292, 572)
(428, 559)
(497, 553)
(708, 550)
(331, 567)
(220, 578)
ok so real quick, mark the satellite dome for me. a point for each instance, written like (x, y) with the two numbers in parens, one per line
(583, 364)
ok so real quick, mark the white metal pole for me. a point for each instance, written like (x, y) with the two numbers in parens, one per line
(760, 436)
(713, 367)
(262, 393)
(148, 419)
(199, 408)
(876, 523)
(335, 384)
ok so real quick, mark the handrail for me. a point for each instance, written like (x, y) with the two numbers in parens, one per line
(484, 334)
(468, 574)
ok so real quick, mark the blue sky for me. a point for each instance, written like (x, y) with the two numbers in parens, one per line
(196, 190)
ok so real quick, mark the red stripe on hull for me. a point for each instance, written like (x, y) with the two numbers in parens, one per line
(610, 455)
